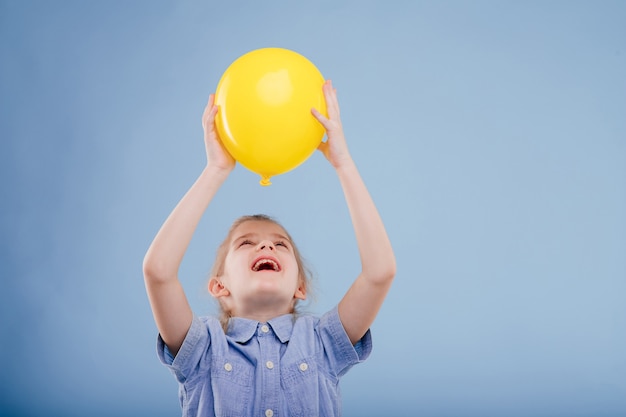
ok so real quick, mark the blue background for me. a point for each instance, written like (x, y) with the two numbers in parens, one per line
(492, 135)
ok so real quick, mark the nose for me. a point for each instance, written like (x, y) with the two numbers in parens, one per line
(265, 244)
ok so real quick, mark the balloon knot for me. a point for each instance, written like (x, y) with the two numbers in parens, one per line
(265, 181)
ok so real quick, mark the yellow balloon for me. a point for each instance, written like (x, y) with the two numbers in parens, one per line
(264, 120)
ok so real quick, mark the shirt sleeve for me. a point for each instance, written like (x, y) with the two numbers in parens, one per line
(340, 352)
(192, 353)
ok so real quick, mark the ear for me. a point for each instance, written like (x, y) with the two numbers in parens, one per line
(217, 289)
(300, 293)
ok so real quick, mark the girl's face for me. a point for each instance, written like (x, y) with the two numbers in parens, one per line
(260, 270)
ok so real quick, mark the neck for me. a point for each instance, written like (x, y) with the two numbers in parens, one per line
(262, 314)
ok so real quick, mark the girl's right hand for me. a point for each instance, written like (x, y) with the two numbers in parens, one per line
(217, 155)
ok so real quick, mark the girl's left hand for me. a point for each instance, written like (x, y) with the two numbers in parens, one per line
(335, 149)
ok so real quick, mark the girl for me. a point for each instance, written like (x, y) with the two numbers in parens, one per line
(262, 359)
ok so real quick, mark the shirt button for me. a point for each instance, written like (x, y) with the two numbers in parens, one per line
(269, 364)
(269, 413)
(265, 329)
(304, 366)
(228, 367)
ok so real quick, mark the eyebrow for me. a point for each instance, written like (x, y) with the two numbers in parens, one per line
(249, 235)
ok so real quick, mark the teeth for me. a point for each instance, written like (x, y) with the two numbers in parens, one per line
(260, 262)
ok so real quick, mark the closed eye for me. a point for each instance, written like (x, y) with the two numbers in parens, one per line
(281, 243)
(246, 242)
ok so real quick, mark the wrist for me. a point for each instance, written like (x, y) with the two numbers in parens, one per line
(343, 164)
(217, 172)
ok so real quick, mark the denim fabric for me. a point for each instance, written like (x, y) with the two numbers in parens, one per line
(285, 367)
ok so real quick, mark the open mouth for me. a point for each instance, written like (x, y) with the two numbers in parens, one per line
(266, 264)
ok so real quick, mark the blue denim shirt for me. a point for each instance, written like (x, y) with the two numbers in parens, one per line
(285, 367)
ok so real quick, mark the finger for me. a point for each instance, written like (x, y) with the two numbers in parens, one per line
(335, 101)
(330, 94)
(208, 120)
(208, 108)
(320, 117)
(212, 113)
(209, 115)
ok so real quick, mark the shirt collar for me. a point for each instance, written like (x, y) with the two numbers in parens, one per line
(242, 330)
(282, 326)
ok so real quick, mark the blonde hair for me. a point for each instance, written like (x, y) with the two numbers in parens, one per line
(304, 273)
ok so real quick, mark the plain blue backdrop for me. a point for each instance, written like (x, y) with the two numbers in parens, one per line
(491, 134)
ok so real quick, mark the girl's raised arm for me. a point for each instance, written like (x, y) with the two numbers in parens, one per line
(360, 305)
(170, 308)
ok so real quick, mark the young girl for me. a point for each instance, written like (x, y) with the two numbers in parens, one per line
(261, 359)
